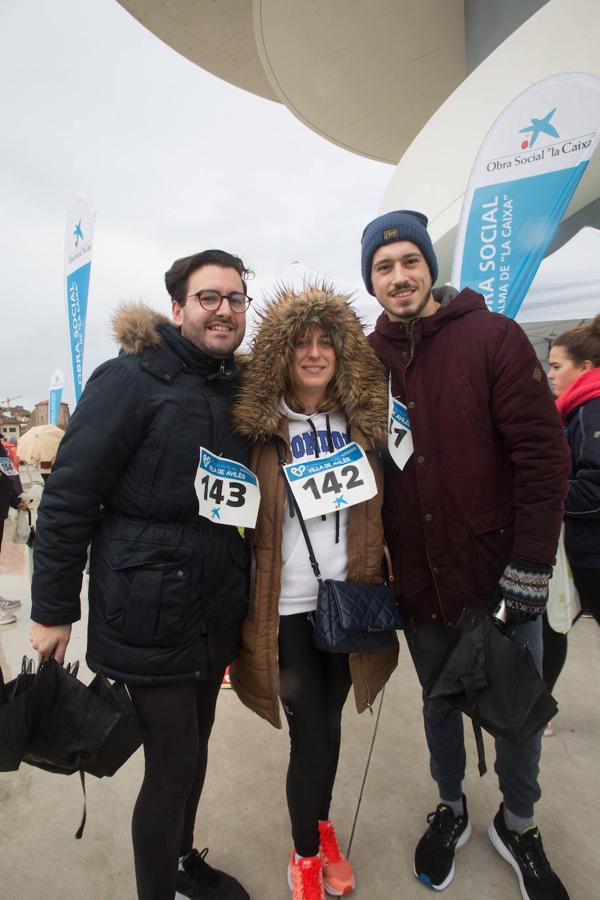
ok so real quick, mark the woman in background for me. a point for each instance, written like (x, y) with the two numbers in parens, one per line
(575, 380)
(10, 496)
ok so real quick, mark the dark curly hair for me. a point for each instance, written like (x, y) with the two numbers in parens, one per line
(177, 276)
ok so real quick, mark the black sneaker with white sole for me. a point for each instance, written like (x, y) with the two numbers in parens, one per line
(525, 853)
(434, 856)
(199, 881)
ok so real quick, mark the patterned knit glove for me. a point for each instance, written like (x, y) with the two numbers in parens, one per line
(524, 589)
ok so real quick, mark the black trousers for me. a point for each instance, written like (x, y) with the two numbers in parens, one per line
(313, 689)
(177, 721)
(587, 582)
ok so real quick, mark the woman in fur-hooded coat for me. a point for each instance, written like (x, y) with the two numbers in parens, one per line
(348, 545)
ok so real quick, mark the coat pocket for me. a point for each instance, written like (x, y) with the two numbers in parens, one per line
(150, 590)
(474, 410)
(226, 596)
(492, 536)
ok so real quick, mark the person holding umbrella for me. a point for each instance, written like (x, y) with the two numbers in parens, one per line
(473, 503)
(168, 584)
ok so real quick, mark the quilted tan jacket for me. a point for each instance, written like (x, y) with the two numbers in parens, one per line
(360, 391)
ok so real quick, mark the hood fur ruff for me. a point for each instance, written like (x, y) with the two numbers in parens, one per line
(360, 379)
(135, 326)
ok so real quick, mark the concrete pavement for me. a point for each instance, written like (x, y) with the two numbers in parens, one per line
(243, 816)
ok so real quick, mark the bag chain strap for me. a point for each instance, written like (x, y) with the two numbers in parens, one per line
(291, 499)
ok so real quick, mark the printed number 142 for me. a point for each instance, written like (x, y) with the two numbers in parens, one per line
(331, 483)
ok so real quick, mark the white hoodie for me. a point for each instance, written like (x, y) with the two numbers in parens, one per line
(298, 583)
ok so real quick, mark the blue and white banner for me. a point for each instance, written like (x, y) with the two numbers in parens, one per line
(522, 181)
(79, 235)
(57, 382)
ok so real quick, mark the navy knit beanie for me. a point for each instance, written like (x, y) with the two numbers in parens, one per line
(400, 225)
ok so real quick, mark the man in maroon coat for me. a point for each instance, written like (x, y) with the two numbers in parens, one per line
(474, 490)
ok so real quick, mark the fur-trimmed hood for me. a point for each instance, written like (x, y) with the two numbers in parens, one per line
(135, 327)
(360, 380)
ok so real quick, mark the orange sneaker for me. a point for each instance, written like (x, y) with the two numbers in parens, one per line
(305, 878)
(338, 877)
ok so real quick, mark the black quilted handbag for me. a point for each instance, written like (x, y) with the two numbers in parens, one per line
(355, 618)
(351, 617)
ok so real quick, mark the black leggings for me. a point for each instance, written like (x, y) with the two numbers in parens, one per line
(587, 582)
(177, 721)
(313, 688)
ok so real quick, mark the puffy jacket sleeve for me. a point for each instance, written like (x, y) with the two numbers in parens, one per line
(524, 412)
(583, 496)
(103, 434)
(10, 488)
(16, 489)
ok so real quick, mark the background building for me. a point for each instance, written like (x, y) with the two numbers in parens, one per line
(416, 83)
(14, 420)
(39, 416)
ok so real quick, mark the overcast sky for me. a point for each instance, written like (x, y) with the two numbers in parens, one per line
(174, 161)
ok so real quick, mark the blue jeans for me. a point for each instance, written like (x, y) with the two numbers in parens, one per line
(517, 767)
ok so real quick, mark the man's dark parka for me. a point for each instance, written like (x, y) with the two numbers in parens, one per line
(160, 576)
(487, 478)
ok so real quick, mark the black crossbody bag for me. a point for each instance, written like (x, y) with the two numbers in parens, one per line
(350, 617)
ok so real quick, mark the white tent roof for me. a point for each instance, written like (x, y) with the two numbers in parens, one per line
(365, 306)
(567, 285)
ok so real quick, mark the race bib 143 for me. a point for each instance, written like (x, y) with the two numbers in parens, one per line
(228, 492)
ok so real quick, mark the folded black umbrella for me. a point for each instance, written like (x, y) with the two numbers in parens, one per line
(54, 722)
(492, 680)
(20, 701)
(93, 729)
(72, 722)
(126, 735)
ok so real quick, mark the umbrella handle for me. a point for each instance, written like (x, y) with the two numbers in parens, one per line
(79, 832)
(480, 748)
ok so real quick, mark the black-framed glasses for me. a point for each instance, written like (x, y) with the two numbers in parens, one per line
(211, 300)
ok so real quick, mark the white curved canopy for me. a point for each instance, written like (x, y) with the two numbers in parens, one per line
(385, 79)
(433, 173)
(365, 75)
(217, 36)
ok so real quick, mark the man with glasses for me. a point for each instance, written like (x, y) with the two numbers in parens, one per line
(168, 577)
